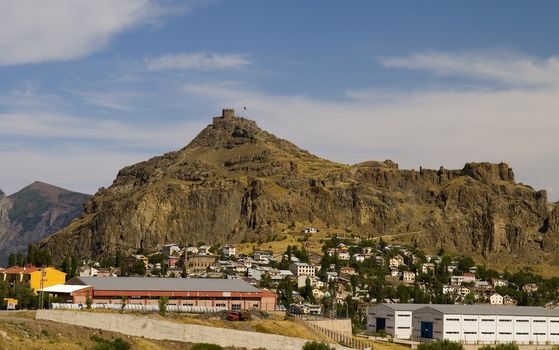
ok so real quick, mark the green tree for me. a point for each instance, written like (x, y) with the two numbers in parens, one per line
(163, 301)
(12, 260)
(88, 301)
(314, 345)
(440, 345)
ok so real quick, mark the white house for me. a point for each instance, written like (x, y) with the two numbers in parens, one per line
(343, 255)
(394, 319)
(229, 250)
(310, 230)
(427, 267)
(171, 249)
(358, 257)
(396, 261)
(487, 324)
(496, 299)
(302, 269)
(408, 277)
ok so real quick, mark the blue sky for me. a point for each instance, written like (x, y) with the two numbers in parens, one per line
(89, 87)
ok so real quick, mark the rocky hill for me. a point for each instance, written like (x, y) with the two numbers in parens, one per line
(235, 182)
(34, 213)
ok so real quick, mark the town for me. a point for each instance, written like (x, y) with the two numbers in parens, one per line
(349, 278)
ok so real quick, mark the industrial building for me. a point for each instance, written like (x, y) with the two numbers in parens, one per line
(393, 319)
(487, 324)
(233, 294)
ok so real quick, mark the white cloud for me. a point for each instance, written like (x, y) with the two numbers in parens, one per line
(199, 61)
(33, 31)
(502, 67)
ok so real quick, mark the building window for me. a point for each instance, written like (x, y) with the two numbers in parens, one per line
(522, 320)
(505, 333)
(235, 306)
(539, 333)
(487, 332)
(470, 319)
(452, 332)
(453, 319)
(521, 333)
(220, 305)
(403, 327)
(539, 321)
(487, 320)
(470, 332)
(503, 320)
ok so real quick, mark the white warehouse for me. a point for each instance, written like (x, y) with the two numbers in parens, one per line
(484, 324)
(394, 319)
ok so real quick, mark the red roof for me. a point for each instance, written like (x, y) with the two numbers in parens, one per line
(24, 270)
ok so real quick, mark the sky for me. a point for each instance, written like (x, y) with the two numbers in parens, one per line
(88, 87)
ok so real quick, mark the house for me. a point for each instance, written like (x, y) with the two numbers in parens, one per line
(394, 272)
(408, 277)
(198, 263)
(358, 257)
(228, 250)
(263, 255)
(348, 269)
(107, 272)
(191, 251)
(204, 250)
(307, 309)
(508, 300)
(88, 271)
(469, 277)
(318, 283)
(171, 249)
(496, 299)
(299, 269)
(456, 280)
(427, 268)
(396, 261)
(33, 276)
(310, 230)
(448, 289)
(173, 260)
(343, 255)
(317, 293)
(331, 276)
(530, 288)
(499, 283)
(463, 291)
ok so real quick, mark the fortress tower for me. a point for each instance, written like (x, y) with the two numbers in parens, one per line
(226, 114)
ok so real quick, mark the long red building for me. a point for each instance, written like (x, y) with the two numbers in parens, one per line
(232, 294)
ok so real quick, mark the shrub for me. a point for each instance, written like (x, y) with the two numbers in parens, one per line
(105, 344)
(314, 345)
(206, 346)
(500, 347)
(440, 345)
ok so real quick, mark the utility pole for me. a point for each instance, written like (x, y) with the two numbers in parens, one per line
(42, 286)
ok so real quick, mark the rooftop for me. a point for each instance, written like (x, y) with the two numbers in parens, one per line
(164, 284)
(494, 310)
(404, 306)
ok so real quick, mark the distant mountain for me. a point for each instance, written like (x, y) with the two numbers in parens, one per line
(33, 213)
(236, 182)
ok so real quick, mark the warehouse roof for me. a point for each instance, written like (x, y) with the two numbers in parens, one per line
(64, 288)
(493, 310)
(165, 284)
(403, 306)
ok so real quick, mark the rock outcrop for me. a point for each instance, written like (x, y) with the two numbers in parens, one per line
(235, 182)
(34, 213)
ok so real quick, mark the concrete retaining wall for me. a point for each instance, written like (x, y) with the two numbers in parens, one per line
(160, 329)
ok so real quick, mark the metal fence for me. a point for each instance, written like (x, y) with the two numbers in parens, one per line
(140, 307)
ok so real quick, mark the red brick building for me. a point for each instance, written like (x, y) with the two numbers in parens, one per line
(229, 293)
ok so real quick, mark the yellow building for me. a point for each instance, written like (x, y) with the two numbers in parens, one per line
(32, 276)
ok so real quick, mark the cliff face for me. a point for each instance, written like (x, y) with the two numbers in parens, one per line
(34, 213)
(236, 182)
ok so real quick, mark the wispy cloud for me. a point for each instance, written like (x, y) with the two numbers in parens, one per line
(199, 61)
(33, 31)
(519, 70)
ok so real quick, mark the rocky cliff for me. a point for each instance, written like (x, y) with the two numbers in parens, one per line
(34, 213)
(236, 182)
